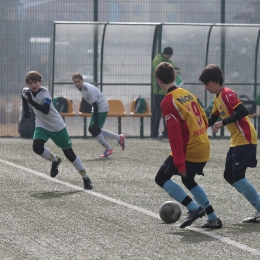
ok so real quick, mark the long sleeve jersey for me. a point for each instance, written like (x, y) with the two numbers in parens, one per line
(186, 124)
(242, 131)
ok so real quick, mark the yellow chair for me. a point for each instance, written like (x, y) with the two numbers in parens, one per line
(116, 109)
(147, 113)
(70, 112)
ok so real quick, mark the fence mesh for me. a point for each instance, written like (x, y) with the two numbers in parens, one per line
(27, 28)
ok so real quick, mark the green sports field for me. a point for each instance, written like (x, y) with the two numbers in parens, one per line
(45, 218)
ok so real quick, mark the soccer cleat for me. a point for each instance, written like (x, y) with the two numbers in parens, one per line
(87, 183)
(193, 215)
(212, 224)
(254, 219)
(107, 153)
(122, 141)
(54, 167)
(160, 136)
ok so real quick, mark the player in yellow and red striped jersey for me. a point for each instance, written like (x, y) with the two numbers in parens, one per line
(243, 141)
(186, 124)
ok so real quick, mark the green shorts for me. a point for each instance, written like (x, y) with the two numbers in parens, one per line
(61, 138)
(101, 119)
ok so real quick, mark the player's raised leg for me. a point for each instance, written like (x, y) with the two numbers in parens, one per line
(38, 148)
(119, 138)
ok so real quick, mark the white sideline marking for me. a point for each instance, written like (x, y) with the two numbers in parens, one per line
(147, 212)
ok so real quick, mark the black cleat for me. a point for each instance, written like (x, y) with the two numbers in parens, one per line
(54, 168)
(212, 224)
(87, 183)
(193, 215)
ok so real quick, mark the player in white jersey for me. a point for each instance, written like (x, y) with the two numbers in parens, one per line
(49, 124)
(100, 109)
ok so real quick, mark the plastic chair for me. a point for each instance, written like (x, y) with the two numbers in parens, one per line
(116, 109)
(147, 113)
(70, 110)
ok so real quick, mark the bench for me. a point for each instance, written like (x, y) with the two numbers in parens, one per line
(70, 112)
(147, 113)
(116, 109)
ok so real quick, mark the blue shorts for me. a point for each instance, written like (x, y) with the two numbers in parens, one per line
(240, 157)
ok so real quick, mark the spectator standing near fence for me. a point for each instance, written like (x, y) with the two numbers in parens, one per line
(49, 124)
(158, 93)
(100, 109)
(243, 139)
(186, 124)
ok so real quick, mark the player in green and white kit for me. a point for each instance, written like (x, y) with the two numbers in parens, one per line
(49, 124)
(100, 109)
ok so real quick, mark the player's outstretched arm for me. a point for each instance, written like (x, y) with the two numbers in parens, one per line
(240, 112)
(26, 110)
(95, 111)
(44, 108)
(212, 120)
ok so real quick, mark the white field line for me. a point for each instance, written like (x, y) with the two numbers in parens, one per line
(144, 211)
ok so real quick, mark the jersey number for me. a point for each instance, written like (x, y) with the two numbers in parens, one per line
(196, 111)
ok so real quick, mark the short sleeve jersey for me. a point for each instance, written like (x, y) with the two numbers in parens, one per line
(53, 121)
(92, 94)
(186, 124)
(242, 131)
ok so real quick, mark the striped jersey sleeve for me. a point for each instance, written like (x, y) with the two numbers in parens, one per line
(242, 131)
(186, 127)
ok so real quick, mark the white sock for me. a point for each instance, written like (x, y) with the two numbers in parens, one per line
(48, 155)
(100, 138)
(79, 167)
(84, 174)
(111, 135)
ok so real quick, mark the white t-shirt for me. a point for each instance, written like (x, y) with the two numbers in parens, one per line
(92, 94)
(53, 121)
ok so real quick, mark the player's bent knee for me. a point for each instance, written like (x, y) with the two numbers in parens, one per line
(94, 131)
(228, 177)
(70, 155)
(38, 146)
(238, 175)
(159, 179)
(189, 183)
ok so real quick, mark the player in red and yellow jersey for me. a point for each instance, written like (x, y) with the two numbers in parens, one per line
(243, 141)
(186, 124)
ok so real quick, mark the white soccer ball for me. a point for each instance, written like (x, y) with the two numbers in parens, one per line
(170, 212)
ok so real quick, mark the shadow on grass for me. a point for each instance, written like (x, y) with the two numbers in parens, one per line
(54, 194)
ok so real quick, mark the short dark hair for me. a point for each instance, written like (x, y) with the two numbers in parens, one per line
(212, 73)
(168, 51)
(33, 76)
(165, 72)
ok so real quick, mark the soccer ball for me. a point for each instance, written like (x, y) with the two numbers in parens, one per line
(170, 212)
